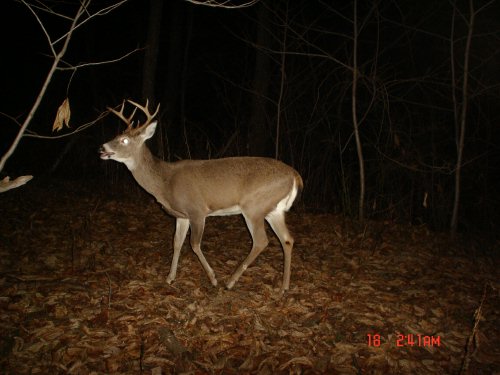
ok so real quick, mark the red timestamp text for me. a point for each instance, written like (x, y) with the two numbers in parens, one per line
(410, 340)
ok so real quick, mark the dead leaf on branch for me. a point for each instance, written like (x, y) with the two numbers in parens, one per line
(62, 117)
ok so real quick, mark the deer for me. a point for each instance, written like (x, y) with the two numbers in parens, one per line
(259, 188)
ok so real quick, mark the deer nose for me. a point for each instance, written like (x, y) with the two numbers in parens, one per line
(105, 154)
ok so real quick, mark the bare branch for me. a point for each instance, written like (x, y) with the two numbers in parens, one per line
(226, 4)
(85, 65)
(101, 12)
(57, 59)
(79, 129)
(49, 39)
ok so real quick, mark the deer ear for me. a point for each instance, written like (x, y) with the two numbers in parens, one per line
(150, 130)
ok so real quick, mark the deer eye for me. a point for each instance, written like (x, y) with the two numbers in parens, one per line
(124, 141)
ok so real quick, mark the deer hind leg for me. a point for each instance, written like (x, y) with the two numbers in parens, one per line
(276, 220)
(181, 228)
(258, 231)
(197, 227)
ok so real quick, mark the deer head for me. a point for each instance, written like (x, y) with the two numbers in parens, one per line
(125, 147)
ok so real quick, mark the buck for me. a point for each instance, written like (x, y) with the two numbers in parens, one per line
(261, 189)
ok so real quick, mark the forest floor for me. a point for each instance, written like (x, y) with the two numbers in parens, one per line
(83, 291)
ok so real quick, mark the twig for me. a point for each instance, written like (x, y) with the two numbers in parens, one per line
(109, 289)
(96, 63)
(470, 348)
(77, 130)
(226, 4)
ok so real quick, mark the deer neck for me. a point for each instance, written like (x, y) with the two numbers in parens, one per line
(146, 169)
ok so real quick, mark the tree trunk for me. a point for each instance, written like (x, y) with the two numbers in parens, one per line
(355, 121)
(151, 53)
(179, 35)
(150, 64)
(463, 121)
(258, 126)
(282, 87)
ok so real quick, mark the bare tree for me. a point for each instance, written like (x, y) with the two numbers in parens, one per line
(58, 45)
(258, 127)
(460, 109)
(355, 121)
(150, 62)
(304, 42)
(282, 86)
(151, 51)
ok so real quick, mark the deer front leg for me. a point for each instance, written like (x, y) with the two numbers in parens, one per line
(181, 228)
(197, 226)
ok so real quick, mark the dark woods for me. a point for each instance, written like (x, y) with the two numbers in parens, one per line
(391, 105)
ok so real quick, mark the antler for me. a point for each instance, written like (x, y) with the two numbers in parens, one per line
(145, 110)
(120, 114)
(128, 120)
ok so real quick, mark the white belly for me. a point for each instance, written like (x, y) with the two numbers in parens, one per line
(233, 210)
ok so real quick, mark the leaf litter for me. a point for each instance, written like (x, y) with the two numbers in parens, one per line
(83, 291)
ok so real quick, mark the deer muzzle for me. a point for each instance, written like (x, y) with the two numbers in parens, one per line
(104, 153)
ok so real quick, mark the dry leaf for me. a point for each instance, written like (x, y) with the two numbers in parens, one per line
(121, 315)
(7, 183)
(62, 117)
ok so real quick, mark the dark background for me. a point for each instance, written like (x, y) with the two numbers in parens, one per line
(222, 76)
